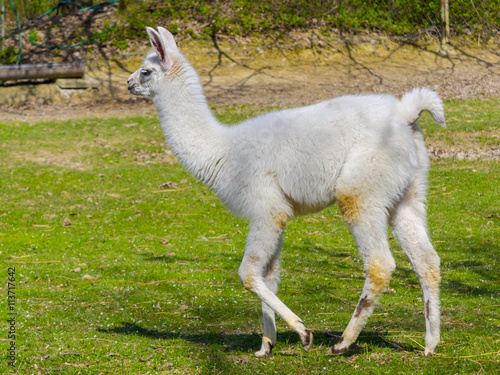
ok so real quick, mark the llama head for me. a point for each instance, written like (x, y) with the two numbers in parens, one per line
(157, 65)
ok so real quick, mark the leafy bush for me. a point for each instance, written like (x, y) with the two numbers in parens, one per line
(270, 17)
(32, 8)
(9, 56)
(243, 17)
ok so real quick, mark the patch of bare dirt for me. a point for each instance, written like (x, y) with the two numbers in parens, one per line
(66, 159)
(476, 153)
(281, 75)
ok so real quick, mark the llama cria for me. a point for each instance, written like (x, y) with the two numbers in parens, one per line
(365, 152)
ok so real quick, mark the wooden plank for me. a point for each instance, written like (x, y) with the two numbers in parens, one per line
(46, 71)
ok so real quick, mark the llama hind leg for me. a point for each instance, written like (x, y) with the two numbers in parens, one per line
(261, 249)
(409, 225)
(271, 277)
(379, 265)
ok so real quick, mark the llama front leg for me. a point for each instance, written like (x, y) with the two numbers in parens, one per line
(379, 266)
(261, 249)
(271, 277)
(269, 336)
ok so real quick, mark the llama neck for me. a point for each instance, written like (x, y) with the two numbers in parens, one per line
(194, 135)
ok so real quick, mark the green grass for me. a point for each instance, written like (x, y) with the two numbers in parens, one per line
(162, 295)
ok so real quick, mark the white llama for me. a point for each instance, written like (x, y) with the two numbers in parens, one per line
(366, 152)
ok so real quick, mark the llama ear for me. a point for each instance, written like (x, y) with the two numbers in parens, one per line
(168, 38)
(159, 46)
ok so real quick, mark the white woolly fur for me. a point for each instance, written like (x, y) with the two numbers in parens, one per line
(364, 151)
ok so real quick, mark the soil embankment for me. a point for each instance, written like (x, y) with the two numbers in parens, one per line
(301, 73)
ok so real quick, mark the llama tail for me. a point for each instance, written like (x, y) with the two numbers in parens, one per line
(413, 103)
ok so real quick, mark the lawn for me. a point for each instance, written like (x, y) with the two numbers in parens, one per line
(120, 262)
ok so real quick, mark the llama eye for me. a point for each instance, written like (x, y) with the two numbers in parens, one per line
(145, 72)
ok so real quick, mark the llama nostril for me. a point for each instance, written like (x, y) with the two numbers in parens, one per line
(130, 84)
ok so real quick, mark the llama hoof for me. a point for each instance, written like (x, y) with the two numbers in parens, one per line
(307, 340)
(265, 350)
(336, 350)
(429, 353)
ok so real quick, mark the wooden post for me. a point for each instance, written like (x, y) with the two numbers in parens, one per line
(445, 23)
(3, 24)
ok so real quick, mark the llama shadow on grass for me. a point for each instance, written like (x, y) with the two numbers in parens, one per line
(249, 342)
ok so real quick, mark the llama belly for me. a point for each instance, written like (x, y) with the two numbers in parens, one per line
(300, 209)
(310, 203)
(307, 194)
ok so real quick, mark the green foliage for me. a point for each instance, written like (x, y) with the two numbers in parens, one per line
(32, 8)
(394, 17)
(126, 264)
(474, 17)
(242, 17)
(34, 35)
(9, 56)
(204, 19)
